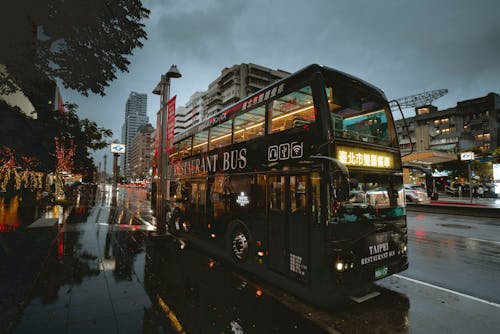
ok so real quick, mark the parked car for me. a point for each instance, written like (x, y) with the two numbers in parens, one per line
(416, 194)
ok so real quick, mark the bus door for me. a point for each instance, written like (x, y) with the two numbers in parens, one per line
(289, 220)
(197, 206)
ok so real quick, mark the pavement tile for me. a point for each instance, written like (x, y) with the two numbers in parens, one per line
(125, 288)
(94, 326)
(134, 322)
(42, 321)
(90, 311)
(131, 303)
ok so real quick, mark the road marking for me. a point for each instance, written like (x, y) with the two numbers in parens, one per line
(448, 290)
(484, 240)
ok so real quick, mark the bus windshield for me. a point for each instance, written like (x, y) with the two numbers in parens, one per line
(360, 117)
(372, 197)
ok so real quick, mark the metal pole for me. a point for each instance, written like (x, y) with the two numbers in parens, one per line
(470, 181)
(165, 95)
(105, 172)
(115, 170)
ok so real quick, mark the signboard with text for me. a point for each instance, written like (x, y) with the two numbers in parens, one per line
(170, 123)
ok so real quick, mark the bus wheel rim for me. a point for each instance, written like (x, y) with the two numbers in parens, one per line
(240, 245)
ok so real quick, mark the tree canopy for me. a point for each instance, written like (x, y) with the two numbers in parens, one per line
(84, 43)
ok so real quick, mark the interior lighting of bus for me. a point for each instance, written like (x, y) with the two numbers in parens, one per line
(291, 113)
(364, 158)
(253, 126)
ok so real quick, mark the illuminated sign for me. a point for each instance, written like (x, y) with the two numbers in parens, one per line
(353, 156)
(117, 148)
(242, 199)
(467, 156)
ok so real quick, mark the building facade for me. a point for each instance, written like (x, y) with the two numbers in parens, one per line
(141, 153)
(135, 117)
(471, 125)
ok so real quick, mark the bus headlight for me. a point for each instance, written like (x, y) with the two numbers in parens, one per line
(339, 265)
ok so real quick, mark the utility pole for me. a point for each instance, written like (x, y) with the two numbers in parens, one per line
(163, 89)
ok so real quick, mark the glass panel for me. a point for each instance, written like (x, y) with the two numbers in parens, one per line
(359, 117)
(293, 110)
(277, 190)
(184, 148)
(372, 196)
(200, 142)
(315, 193)
(220, 135)
(249, 125)
(298, 193)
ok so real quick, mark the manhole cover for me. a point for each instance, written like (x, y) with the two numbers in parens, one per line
(455, 226)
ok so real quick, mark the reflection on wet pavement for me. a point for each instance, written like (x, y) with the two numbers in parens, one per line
(109, 275)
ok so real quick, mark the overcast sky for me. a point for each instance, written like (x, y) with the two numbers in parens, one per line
(404, 47)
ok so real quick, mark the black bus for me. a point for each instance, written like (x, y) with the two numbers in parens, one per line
(299, 184)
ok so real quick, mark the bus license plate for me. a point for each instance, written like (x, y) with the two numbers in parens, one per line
(381, 272)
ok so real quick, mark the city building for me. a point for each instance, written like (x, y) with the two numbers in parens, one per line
(438, 136)
(237, 82)
(141, 153)
(470, 125)
(232, 85)
(135, 117)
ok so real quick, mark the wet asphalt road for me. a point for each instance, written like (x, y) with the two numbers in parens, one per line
(108, 276)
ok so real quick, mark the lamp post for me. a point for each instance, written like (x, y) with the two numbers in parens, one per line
(163, 89)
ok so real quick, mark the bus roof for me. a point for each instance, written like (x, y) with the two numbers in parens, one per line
(342, 76)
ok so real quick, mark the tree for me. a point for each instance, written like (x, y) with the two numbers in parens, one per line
(86, 136)
(83, 43)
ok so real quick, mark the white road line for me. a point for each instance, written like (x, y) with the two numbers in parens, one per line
(484, 240)
(448, 290)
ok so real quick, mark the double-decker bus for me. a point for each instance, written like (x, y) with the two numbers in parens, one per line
(299, 184)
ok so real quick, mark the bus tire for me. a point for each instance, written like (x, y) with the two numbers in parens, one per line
(239, 242)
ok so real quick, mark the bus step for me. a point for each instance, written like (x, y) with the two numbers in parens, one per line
(366, 297)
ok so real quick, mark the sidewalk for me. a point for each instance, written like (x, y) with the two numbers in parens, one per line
(93, 280)
(481, 207)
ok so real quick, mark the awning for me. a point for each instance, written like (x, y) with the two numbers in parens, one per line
(428, 158)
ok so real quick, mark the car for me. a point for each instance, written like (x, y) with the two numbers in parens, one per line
(416, 194)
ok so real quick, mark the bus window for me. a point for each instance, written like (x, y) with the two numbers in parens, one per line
(359, 118)
(220, 135)
(184, 148)
(200, 142)
(292, 110)
(298, 192)
(249, 125)
(316, 196)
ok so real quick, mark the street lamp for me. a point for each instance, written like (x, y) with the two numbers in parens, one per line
(163, 89)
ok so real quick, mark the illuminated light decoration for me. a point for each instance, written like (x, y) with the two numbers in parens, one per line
(260, 253)
(353, 156)
(258, 293)
(213, 235)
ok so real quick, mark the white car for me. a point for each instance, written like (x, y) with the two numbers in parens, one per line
(416, 194)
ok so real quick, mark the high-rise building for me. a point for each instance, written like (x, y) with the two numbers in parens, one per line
(141, 153)
(135, 117)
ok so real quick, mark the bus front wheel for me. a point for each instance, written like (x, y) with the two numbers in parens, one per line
(239, 243)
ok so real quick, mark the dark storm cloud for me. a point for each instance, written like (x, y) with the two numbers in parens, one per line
(404, 47)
